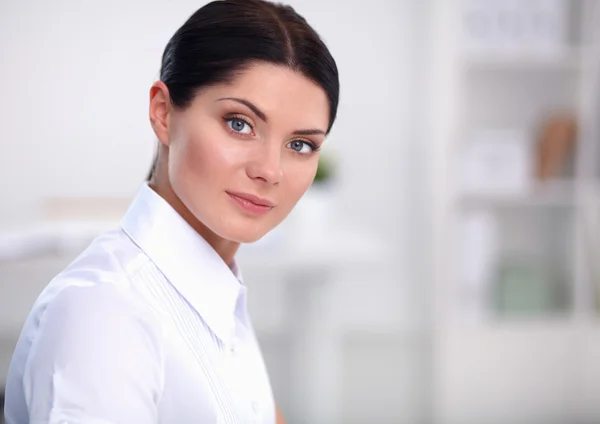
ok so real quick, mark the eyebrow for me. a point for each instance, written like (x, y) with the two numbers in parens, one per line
(249, 105)
(309, 132)
(263, 117)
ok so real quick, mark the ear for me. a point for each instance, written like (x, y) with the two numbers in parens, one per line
(160, 111)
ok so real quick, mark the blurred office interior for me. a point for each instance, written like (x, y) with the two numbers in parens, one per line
(444, 269)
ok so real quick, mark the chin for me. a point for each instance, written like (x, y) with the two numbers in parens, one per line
(246, 237)
(244, 233)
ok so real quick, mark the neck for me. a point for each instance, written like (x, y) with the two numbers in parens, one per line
(226, 249)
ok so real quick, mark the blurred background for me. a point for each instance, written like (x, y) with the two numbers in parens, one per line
(444, 267)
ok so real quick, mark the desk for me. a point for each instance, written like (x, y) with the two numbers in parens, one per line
(309, 268)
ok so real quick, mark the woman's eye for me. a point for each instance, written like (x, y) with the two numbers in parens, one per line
(300, 146)
(239, 126)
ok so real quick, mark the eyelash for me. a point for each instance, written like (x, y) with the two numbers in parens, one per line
(230, 118)
(315, 148)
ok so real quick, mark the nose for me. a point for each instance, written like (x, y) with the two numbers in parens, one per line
(266, 165)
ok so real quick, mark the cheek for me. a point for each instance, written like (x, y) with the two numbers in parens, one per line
(186, 164)
(204, 158)
(299, 177)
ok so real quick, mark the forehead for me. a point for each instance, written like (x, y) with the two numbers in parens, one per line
(285, 96)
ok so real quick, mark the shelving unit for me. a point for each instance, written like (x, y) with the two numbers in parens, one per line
(515, 90)
(516, 318)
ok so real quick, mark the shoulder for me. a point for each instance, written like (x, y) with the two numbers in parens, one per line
(94, 300)
(99, 278)
(106, 268)
(98, 290)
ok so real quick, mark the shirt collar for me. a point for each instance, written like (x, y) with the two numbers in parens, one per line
(190, 264)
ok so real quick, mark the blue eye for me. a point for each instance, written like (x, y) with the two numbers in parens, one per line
(239, 126)
(301, 146)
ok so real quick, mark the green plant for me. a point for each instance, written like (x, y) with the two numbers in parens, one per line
(325, 170)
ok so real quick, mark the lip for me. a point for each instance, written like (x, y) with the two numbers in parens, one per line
(251, 203)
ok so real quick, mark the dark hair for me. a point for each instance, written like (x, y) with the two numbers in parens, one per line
(225, 37)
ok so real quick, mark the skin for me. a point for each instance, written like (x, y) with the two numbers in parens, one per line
(202, 156)
(217, 146)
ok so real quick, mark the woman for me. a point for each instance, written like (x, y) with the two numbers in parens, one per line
(149, 324)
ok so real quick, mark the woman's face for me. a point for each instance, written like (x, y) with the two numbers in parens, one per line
(242, 154)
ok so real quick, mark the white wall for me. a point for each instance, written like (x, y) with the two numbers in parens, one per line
(75, 81)
(74, 86)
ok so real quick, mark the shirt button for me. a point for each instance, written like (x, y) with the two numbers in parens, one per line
(256, 407)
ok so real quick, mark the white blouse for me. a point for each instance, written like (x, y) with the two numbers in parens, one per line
(148, 325)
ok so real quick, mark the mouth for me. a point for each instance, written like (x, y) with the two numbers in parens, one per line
(251, 203)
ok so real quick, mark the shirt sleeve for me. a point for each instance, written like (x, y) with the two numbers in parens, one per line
(96, 358)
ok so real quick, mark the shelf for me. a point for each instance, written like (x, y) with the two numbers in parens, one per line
(570, 60)
(340, 245)
(555, 194)
(563, 321)
(553, 326)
